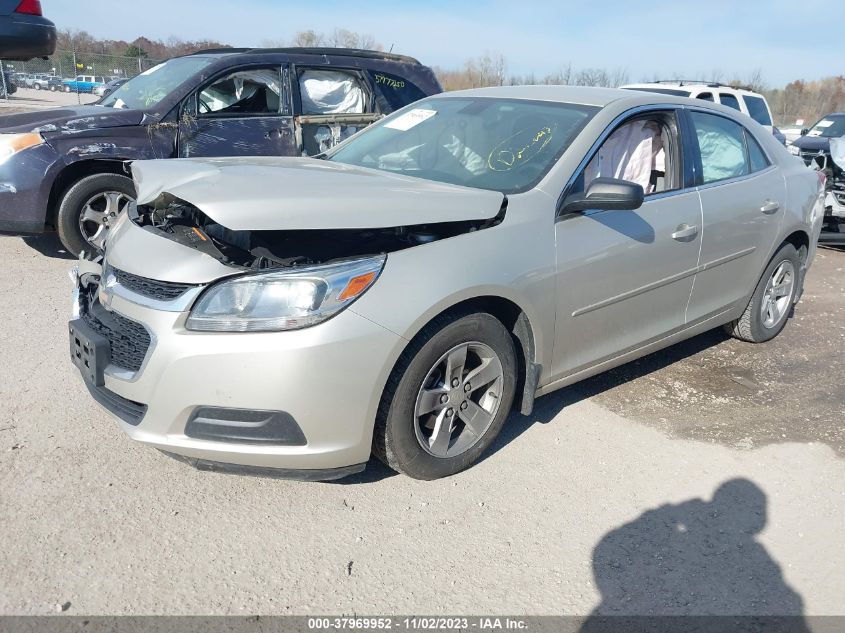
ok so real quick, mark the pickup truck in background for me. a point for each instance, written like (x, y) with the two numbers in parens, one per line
(83, 83)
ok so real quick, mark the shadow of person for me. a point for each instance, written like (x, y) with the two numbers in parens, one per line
(695, 558)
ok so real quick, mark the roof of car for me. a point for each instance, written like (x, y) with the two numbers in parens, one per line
(584, 95)
(686, 83)
(303, 50)
(566, 94)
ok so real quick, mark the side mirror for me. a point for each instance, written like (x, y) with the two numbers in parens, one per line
(805, 131)
(607, 194)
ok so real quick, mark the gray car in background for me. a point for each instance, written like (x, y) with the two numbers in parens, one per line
(401, 294)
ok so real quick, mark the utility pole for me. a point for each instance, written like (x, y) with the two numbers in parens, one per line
(3, 75)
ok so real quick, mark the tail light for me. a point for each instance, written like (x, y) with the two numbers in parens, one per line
(30, 7)
(822, 179)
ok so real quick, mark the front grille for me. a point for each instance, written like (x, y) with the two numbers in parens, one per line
(152, 288)
(129, 340)
(127, 410)
(810, 155)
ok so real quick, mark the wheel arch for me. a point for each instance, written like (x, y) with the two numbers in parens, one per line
(73, 173)
(800, 240)
(516, 320)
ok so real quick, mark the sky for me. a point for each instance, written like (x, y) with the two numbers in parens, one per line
(785, 39)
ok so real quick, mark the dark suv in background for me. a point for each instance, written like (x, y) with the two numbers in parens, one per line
(67, 167)
(24, 32)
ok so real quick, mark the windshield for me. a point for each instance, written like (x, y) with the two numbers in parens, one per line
(153, 85)
(505, 145)
(829, 127)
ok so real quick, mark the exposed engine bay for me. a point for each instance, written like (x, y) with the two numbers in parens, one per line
(185, 224)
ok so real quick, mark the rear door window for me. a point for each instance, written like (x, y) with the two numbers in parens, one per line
(721, 144)
(756, 158)
(706, 96)
(331, 92)
(757, 109)
(729, 100)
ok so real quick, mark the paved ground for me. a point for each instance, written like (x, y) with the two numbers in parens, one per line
(30, 99)
(703, 479)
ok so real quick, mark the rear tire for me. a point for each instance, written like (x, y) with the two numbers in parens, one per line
(101, 197)
(771, 304)
(408, 440)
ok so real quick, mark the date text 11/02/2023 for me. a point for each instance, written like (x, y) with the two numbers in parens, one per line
(417, 623)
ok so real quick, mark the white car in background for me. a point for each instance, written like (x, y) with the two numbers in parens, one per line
(746, 101)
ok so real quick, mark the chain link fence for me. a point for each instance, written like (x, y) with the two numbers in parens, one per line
(64, 67)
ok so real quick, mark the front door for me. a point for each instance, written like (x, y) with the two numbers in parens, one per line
(243, 113)
(624, 277)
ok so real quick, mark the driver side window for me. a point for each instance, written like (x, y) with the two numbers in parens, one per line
(252, 92)
(643, 150)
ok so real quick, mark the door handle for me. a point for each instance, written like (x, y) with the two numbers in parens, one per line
(770, 207)
(685, 233)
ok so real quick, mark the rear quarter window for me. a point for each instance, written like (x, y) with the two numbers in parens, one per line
(729, 100)
(394, 92)
(757, 110)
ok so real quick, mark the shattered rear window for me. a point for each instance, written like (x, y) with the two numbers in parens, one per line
(504, 145)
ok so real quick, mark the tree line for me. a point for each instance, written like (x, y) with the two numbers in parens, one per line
(799, 99)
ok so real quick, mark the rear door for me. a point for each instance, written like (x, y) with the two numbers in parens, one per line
(243, 112)
(331, 104)
(742, 195)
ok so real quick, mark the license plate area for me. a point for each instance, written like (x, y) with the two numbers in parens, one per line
(89, 351)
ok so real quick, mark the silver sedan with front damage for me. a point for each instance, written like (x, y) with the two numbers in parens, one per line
(403, 293)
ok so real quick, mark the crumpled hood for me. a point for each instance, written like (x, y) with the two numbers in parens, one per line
(270, 193)
(69, 119)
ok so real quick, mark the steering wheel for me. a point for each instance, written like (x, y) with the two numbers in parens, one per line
(203, 106)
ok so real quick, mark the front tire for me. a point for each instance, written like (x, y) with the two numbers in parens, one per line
(89, 208)
(448, 397)
(771, 304)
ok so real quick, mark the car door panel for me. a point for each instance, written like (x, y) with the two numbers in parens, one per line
(623, 279)
(224, 132)
(237, 136)
(742, 202)
(741, 222)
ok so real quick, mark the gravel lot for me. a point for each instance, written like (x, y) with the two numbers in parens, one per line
(704, 479)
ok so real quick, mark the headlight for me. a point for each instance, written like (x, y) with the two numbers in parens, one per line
(283, 300)
(11, 144)
(793, 150)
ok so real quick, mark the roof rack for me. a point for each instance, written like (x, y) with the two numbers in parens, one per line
(322, 50)
(709, 84)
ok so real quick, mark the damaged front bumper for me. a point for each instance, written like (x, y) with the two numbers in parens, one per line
(300, 403)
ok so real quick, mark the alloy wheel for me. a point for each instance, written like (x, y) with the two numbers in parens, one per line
(778, 294)
(99, 213)
(459, 399)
